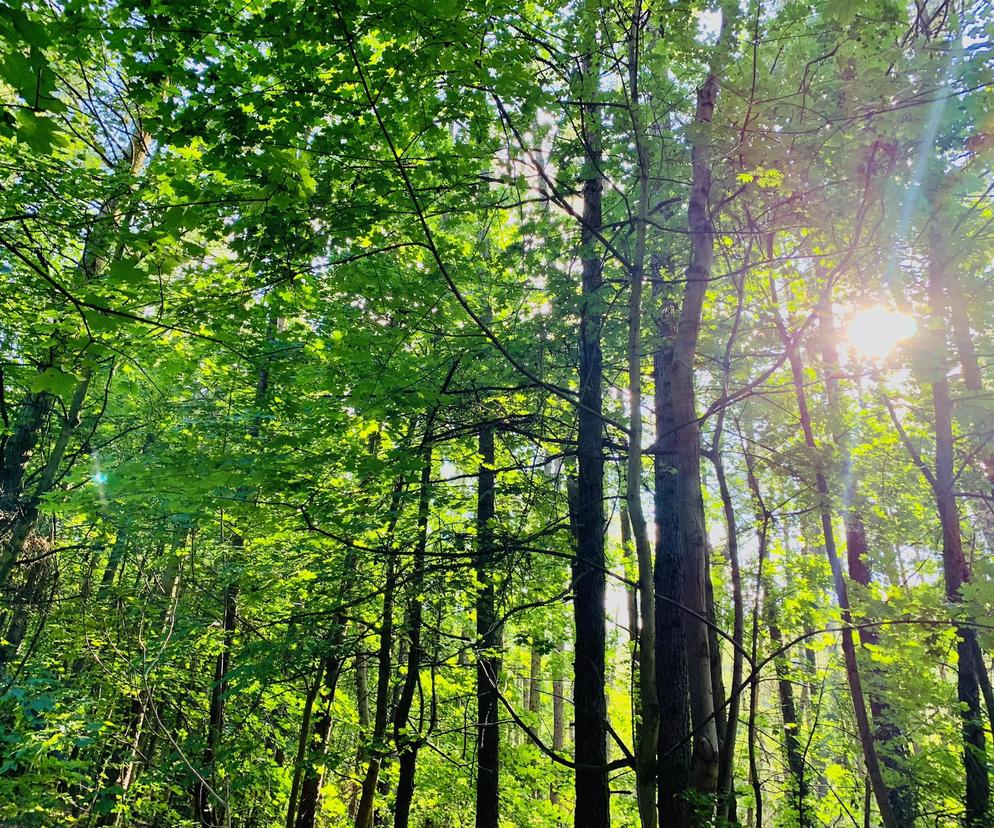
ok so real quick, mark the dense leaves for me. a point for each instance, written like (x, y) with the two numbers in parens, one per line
(284, 286)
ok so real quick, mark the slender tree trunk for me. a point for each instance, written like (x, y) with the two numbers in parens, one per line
(863, 727)
(209, 809)
(726, 765)
(302, 741)
(365, 721)
(367, 798)
(762, 526)
(788, 710)
(558, 725)
(955, 569)
(888, 735)
(310, 789)
(407, 741)
(589, 584)
(647, 726)
(488, 636)
(114, 561)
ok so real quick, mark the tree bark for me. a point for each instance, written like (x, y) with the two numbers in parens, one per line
(589, 584)
(955, 569)
(688, 504)
(208, 808)
(310, 788)
(409, 743)
(647, 726)
(489, 638)
(863, 727)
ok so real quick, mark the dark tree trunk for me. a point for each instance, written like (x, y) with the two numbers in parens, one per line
(589, 585)
(408, 741)
(792, 748)
(671, 654)
(367, 797)
(956, 571)
(208, 806)
(310, 789)
(681, 500)
(488, 636)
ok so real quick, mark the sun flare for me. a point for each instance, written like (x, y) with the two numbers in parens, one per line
(874, 332)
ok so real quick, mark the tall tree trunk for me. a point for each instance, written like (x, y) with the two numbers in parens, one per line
(727, 727)
(956, 572)
(589, 579)
(888, 735)
(793, 751)
(367, 798)
(310, 789)
(863, 727)
(409, 742)
(688, 504)
(18, 510)
(209, 808)
(647, 726)
(489, 637)
(671, 655)
(302, 742)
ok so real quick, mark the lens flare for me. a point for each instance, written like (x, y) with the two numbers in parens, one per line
(874, 332)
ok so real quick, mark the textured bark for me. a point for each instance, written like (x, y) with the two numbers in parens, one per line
(685, 450)
(489, 638)
(671, 655)
(589, 585)
(647, 726)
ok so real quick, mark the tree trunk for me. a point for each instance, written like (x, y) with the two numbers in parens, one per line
(726, 764)
(208, 807)
(367, 798)
(305, 732)
(793, 751)
(489, 637)
(647, 726)
(956, 572)
(863, 727)
(409, 742)
(558, 725)
(589, 584)
(685, 448)
(671, 655)
(310, 789)
(893, 750)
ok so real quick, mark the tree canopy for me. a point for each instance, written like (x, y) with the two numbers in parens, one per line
(488, 413)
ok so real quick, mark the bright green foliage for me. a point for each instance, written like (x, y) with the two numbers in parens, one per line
(261, 262)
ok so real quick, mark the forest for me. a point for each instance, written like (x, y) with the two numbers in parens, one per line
(496, 413)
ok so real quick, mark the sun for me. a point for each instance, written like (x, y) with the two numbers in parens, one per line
(874, 332)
